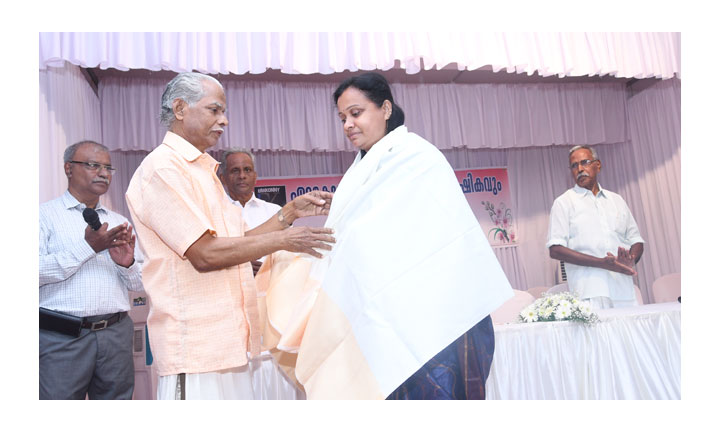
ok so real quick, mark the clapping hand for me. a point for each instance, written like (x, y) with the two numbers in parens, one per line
(105, 238)
(625, 257)
(623, 263)
(119, 241)
(124, 253)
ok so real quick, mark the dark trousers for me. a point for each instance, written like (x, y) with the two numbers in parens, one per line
(97, 363)
(457, 372)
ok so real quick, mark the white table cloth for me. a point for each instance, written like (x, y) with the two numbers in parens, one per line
(632, 353)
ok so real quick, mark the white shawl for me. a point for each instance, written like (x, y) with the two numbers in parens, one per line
(411, 271)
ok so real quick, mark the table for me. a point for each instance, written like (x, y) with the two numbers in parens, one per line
(632, 353)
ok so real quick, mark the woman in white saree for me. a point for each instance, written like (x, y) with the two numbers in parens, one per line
(399, 309)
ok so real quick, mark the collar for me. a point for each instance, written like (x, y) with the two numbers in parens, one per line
(253, 199)
(70, 202)
(582, 191)
(183, 147)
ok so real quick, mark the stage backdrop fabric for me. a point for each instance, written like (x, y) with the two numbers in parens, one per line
(644, 167)
(69, 112)
(292, 116)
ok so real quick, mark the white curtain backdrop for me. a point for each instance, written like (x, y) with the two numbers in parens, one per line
(627, 55)
(69, 112)
(641, 163)
(302, 117)
(654, 117)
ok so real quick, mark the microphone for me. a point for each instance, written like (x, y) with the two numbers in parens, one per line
(92, 218)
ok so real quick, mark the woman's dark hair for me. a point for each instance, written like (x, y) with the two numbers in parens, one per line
(376, 88)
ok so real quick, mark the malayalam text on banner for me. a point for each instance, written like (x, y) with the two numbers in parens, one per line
(487, 191)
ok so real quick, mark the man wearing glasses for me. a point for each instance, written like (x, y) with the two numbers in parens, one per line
(592, 230)
(85, 275)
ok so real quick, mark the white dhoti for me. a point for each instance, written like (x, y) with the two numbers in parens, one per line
(235, 383)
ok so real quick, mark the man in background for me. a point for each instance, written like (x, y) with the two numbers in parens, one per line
(86, 273)
(589, 223)
(238, 175)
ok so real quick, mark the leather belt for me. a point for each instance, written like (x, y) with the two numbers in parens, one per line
(102, 324)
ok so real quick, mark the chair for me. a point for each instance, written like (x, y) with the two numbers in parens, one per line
(538, 291)
(558, 288)
(509, 311)
(638, 295)
(666, 288)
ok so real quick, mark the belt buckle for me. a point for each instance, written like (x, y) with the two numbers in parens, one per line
(98, 325)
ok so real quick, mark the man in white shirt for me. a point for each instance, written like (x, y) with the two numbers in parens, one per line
(86, 273)
(237, 173)
(589, 223)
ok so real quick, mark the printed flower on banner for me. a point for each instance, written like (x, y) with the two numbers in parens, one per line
(502, 218)
(558, 307)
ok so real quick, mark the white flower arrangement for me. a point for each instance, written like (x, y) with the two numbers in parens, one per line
(558, 307)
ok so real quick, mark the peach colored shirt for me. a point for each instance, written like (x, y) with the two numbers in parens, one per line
(198, 322)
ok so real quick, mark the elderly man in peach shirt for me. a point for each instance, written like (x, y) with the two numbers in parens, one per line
(203, 318)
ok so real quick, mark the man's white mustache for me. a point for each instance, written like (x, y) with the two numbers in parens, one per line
(582, 174)
(100, 179)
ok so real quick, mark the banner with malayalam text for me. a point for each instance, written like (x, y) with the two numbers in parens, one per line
(487, 191)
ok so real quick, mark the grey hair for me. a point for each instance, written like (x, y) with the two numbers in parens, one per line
(70, 151)
(578, 147)
(227, 153)
(186, 86)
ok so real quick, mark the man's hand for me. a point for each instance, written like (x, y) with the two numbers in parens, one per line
(313, 203)
(624, 256)
(307, 240)
(105, 238)
(623, 263)
(124, 254)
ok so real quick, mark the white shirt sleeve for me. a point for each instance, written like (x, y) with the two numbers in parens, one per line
(132, 276)
(632, 232)
(559, 225)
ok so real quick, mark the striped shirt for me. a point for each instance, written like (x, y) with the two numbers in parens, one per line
(74, 278)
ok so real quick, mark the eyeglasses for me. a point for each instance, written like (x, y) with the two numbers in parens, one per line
(584, 163)
(94, 166)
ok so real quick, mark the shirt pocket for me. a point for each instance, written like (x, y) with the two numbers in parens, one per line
(619, 224)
